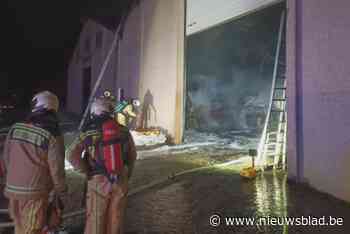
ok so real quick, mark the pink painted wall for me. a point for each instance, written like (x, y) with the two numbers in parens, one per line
(319, 64)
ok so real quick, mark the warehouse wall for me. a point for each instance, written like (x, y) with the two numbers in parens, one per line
(162, 45)
(148, 65)
(74, 96)
(319, 70)
(93, 57)
(203, 14)
(128, 56)
(291, 90)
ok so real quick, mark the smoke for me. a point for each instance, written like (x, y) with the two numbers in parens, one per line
(229, 73)
(237, 101)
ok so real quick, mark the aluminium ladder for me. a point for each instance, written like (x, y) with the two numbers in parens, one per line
(272, 146)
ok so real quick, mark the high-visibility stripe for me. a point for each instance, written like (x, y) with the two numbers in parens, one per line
(90, 133)
(33, 128)
(22, 188)
(22, 191)
(30, 134)
(30, 137)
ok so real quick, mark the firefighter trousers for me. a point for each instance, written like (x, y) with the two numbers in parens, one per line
(29, 216)
(105, 205)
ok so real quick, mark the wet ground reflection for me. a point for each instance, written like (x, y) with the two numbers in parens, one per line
(185, 205)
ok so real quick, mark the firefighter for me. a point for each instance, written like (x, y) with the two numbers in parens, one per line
(125, 111)
(108, 160)
(33, 163)
(108, 94)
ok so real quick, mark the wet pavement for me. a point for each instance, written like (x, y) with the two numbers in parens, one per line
(186, 204)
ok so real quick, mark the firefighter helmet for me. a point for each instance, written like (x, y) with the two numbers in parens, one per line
(136, 102)
(101, 106)
(108, 94)
(45, 101)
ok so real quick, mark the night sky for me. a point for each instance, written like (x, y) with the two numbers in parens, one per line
(36, 42)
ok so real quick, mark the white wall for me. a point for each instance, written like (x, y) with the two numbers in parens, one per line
(150, 60)
(203, 14)
(162, 45)
(129, 60)
(96, 58)
(150, 63)
(322, 98)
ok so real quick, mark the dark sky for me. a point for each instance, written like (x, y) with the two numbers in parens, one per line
(36, 42)
(37, 39)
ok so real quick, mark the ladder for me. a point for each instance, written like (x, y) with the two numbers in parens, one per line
(272, 145)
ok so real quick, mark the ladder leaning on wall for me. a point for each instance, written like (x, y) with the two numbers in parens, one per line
(272, 146)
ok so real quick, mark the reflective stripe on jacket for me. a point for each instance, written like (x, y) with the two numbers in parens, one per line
(34, 162)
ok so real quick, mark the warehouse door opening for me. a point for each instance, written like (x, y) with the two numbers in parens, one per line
(229, 68)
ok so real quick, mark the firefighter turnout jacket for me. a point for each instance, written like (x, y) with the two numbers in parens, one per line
(33, 159)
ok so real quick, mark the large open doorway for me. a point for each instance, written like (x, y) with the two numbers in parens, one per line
(230, 59)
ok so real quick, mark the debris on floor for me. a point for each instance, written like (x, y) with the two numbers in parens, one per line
(148, 137)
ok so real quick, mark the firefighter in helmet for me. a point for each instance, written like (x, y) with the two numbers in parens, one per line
(125, 111)
(105, 151)
(33, 164)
